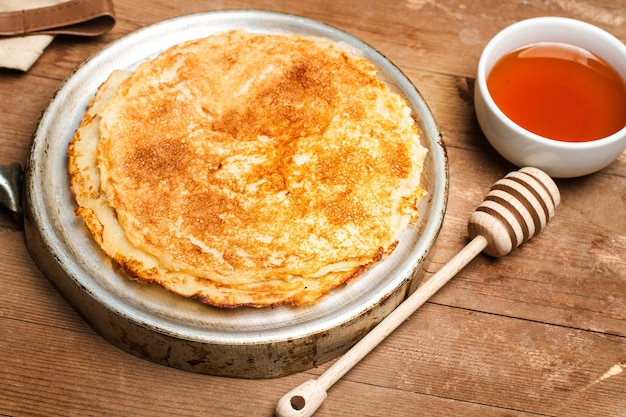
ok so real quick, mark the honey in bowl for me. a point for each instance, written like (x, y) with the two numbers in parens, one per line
(560, 92)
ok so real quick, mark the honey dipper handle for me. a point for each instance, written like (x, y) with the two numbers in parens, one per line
(306, 398)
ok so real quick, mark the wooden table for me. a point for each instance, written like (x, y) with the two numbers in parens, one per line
(541, 332)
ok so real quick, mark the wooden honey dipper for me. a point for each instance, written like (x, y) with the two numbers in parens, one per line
(516, 208)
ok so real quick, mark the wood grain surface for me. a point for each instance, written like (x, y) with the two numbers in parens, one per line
(541, 332)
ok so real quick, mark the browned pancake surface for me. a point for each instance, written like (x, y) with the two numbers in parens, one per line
(247, 169)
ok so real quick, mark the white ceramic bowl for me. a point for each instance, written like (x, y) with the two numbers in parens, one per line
(524, 148)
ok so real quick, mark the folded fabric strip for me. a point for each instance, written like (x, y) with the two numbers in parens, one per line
(22, 52)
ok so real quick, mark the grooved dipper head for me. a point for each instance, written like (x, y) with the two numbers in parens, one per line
(516, 208)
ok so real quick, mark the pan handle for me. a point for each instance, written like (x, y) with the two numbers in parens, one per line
(11, 182)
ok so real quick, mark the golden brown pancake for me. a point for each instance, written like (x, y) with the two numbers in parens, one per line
(247, 169)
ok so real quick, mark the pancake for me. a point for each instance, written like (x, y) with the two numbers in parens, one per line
(247, 169)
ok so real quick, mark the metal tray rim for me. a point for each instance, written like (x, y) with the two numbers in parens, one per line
(45, 161)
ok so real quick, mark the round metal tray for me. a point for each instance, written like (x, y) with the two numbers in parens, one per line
(151, 323)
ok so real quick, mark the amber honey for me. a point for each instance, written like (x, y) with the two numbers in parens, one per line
(559, 91)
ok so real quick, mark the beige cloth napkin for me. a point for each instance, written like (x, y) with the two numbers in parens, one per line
(28, 26)
(21, 52)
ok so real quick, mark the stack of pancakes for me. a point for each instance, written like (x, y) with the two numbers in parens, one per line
(247, 169)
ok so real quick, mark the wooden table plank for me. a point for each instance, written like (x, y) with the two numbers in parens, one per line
(532, 371)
